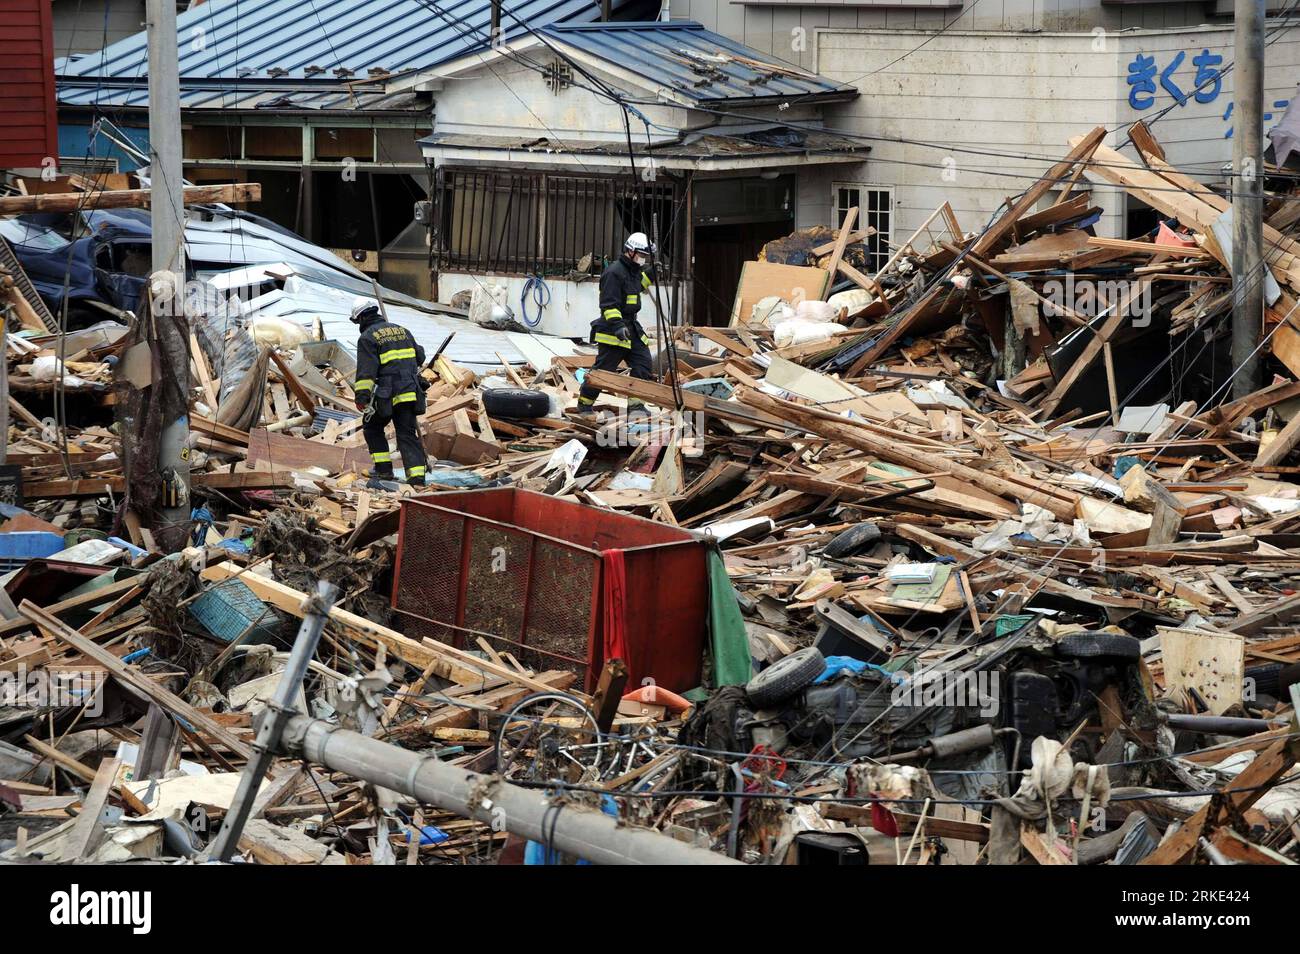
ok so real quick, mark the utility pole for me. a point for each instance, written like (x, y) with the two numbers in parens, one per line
(1248, 195)
(168, 329)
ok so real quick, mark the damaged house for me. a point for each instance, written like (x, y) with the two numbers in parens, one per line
(532, 176)
(321, 103)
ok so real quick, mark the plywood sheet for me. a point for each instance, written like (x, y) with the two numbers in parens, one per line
(759, 280)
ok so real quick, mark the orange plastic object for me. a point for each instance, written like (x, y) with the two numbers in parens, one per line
(656, 695)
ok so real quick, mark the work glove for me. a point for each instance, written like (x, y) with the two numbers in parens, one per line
(623, 333)
(359, 405)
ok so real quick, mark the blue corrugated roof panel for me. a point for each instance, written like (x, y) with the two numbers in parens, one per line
(228, 48)
(700, 65)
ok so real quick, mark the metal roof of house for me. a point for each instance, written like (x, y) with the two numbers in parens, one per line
(702, 66)
(232, 52)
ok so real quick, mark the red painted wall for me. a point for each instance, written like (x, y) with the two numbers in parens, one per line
(28, 123)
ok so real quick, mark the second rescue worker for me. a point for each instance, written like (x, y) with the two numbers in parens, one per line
(617, 333)
(389, 388)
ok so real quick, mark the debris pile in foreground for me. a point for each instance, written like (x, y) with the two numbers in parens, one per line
(981, 573)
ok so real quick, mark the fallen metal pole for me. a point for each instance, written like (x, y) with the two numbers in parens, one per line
(271, 726)
(575, 830)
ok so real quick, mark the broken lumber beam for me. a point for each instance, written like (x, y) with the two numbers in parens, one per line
(662, 395)
(232, 194)
(1275, 451)
(1234, 798)
(134, 679)
(102, 486)
(862, 439)
(443, 660)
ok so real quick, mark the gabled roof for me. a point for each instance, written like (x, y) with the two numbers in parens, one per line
(698, 65)
(232, 52)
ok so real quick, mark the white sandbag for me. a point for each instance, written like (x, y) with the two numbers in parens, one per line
(49, 368)
(811, 310)
(271, 332)
(768, 311)
(488, 306)
(796, 331)
(852, 301)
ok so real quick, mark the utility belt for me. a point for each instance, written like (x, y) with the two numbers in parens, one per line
(605, 331)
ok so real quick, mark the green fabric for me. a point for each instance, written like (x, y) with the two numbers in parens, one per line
(732, 665)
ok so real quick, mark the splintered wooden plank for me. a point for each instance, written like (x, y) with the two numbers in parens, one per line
(134, 678)
(846, 227)
(81, 841)
(234, 193)
(286, 452)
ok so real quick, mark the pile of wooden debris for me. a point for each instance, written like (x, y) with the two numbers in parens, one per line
(1015, 575)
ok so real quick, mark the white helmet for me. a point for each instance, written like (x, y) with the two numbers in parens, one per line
(638, 244)
(360, 306)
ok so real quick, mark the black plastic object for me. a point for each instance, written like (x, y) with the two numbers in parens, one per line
(1033, 708)
(1265, 678)
(785, 677)
(830, 849)
(836, 640)
(516, 402)
(1093, 645)
(853, 540)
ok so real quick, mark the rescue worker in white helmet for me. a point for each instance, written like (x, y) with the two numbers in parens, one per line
(389, 388)
(617, 333)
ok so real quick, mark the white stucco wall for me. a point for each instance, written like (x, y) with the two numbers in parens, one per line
(785, 27)
(573, 306)
(1022, 95)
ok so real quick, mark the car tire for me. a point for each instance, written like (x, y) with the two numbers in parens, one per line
(516, 402)
(785, 677)
(1093, 645)
(851, 541)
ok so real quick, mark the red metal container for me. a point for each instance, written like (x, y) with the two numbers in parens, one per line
(528, 573)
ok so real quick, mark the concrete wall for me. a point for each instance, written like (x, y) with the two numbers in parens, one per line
(1022, 95)
(774, 26)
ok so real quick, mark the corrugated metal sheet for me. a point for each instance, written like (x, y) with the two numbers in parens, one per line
(27, 116)
(228, 48)
(700, 65)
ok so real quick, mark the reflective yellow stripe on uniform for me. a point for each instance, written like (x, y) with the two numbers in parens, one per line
(611, 314)
(404, 398)
(365, 384)
(416, 471)
(382, 457)
(397, 354)
(645, 280)
(634, 299)
(602, 338)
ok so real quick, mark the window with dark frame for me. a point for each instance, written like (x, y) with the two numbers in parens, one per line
(526, 223)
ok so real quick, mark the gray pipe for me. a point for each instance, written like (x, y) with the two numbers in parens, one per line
(574, 830)
(1220, 725)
